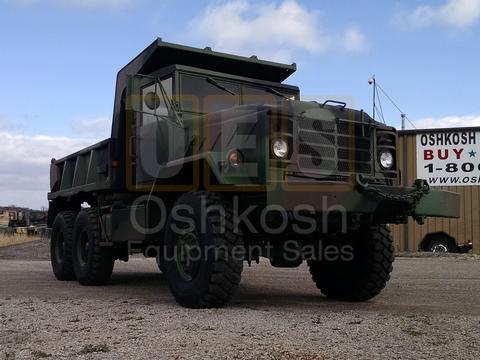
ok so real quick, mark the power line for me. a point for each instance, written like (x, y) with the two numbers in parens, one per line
(394, 104)
(380, 108)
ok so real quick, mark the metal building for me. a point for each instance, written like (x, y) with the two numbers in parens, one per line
(448, 159)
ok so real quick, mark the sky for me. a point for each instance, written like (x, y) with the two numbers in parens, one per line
(59, 60)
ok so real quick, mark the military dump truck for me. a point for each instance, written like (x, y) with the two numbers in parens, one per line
(214, 162)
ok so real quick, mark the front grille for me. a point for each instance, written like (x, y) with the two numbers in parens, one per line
(333, 147)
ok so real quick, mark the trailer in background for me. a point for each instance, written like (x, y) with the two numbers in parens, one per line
(448, 159)
(23, 221)
(14, 218)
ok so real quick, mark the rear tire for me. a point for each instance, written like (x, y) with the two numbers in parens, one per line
(93, 263)
(212, 276)
(61, 246)
(365, 274)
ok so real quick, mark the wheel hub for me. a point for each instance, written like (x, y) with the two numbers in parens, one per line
(187, 253)
(439, 248)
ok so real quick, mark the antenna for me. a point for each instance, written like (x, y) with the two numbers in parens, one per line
(373, 82)
(377, 90)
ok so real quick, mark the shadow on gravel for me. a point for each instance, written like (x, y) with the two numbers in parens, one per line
(138, 279)
(301, 294)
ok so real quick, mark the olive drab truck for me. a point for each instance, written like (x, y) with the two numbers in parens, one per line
(213, 162)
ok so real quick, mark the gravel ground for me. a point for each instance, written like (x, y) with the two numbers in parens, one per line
(129, 329)
(430, 310)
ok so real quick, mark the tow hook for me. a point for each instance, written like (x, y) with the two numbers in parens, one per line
(421, 188)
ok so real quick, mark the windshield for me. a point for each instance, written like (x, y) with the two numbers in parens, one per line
(207, 94)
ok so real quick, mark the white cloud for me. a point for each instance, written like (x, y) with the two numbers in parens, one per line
(448, 121)
(269, 30)
(25, 165)
(95, 127)
(459, 14)
(75, 3)
(354, 40)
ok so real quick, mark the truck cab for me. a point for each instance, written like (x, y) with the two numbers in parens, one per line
(172, 109)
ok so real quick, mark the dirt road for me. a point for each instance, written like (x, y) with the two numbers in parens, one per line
(430, 309)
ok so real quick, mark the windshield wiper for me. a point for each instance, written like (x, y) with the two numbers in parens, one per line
(275, 92)
(215, 83)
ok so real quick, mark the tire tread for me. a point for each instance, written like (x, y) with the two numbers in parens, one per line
(102, 260)
(366, 282)
(67, 272)
(225, 271)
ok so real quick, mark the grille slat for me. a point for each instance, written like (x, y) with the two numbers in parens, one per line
(339, 147)
(318, 125)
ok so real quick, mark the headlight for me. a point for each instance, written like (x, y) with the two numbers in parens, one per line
(386, 159)
(280, 148)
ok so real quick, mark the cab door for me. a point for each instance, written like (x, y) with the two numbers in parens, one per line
(157, 136)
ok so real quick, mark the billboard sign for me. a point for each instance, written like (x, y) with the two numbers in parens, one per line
(449, 158)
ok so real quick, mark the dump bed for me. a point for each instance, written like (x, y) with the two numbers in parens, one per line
(84, 171)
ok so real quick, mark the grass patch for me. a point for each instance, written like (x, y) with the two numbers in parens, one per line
(413, 332)
(9, 356)
(15, 239)
(288, 355)
(75, 320)
(40, 354)
(90, 349)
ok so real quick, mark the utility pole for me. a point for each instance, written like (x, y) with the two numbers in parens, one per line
(403, 121)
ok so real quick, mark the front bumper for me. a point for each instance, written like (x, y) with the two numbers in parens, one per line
(439, 203)
(387, 204)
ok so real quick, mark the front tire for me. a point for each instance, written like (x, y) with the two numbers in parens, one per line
(362, 276)
(92, 262)
(61, 246)
(213, 273)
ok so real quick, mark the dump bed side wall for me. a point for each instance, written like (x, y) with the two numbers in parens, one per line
(84, 171)
(467, 228)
